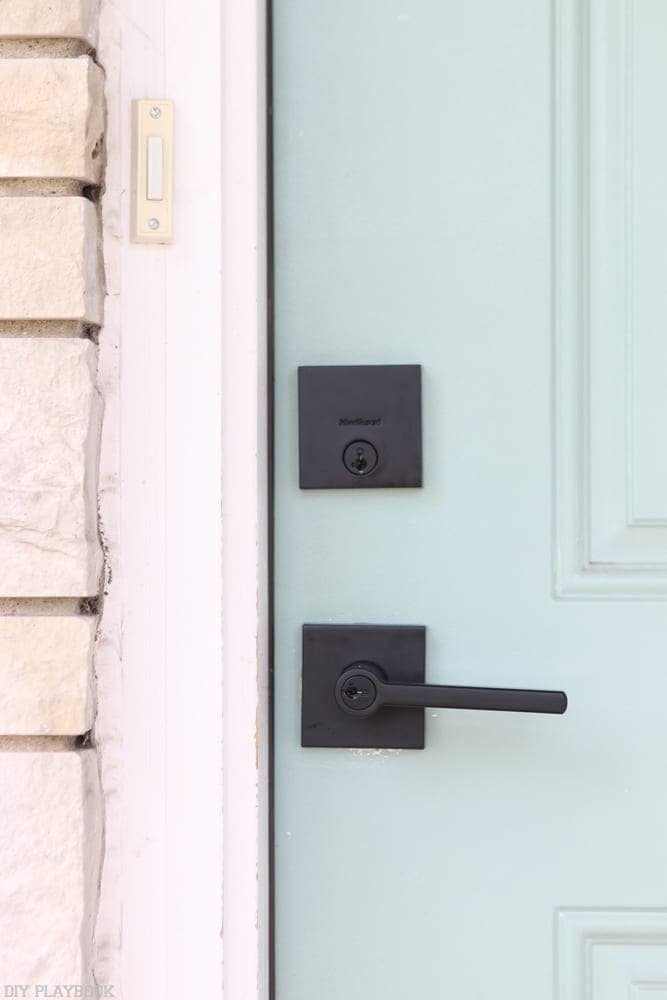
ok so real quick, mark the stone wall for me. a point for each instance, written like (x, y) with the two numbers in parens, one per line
(51, 561)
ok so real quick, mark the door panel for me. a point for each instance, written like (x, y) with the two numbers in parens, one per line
(610, 88)
(418, 220)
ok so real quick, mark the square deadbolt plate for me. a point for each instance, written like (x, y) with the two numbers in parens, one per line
(327, 650)
(360, 426)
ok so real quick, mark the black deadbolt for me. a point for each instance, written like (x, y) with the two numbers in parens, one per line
(360, 426)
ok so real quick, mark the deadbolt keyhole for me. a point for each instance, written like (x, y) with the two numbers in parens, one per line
(360, 458)
(360, 463)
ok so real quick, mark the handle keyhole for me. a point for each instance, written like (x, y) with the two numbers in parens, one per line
(358, 693)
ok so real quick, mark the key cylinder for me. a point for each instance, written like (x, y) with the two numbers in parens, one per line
(360, 458)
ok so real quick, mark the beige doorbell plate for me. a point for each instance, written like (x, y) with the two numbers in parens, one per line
(152, 171)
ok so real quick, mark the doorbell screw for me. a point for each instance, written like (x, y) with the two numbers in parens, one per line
(153, 224)
(360, 458)
(155, 113)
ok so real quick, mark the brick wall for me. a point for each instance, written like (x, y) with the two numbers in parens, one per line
(51, 310)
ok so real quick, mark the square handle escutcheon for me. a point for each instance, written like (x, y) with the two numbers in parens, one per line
(327, 651)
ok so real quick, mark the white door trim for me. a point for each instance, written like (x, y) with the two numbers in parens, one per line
(192, 322)
(245, 512)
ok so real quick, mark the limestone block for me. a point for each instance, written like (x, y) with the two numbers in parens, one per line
(51, 265)
(51, 118)
(49, 430)
(50, 849)
(49, 19)
(45, 675)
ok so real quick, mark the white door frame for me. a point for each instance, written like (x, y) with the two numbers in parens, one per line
(192, 319)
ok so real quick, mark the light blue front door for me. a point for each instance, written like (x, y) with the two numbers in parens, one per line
(479, 188)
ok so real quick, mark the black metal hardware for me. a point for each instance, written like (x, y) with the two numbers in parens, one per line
(363, 686)
(363, 689)
(327, 651)
(359, 426)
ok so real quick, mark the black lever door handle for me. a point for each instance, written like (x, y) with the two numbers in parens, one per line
(362, 689)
